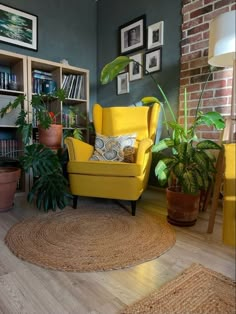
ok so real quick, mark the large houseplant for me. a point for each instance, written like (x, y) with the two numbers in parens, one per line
(50, 188)
(189, 166)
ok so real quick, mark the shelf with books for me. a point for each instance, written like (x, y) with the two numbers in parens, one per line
(13, 82)
(75, 82)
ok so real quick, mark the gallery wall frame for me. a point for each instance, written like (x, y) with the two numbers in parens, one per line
(155, 35)
(135, 69)
(18, 28)
(153, 60)
(132, 35)
(123, 83)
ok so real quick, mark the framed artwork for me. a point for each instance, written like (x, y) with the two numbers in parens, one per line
(132, 35)
(153, 61)
(18, 27)
(123, 83)
(155, 35)
(135, 70)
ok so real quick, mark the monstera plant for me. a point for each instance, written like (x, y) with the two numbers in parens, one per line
(188, 165)
(50, 187)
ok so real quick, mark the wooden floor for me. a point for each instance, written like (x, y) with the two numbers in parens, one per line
(26, 288)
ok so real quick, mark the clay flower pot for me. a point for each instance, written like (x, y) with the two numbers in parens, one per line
(52, 136)
(9, 177)
(182, 208)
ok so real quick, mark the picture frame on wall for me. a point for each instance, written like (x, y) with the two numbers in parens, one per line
(18, 28)
(155, 35)
(132, 35)
(135, 70)
(153, 61)
(123, 83)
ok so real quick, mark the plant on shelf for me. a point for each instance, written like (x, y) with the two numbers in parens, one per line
(189, 165)
(50, 187)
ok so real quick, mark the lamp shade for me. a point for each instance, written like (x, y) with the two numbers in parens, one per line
(222, 43)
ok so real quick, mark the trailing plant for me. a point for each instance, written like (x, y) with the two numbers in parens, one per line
(189, 162)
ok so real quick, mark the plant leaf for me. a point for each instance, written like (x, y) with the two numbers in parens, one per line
(163, 144)
(208, 144)
(112, 69)
(211, 118)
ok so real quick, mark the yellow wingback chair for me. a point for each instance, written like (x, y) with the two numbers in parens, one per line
(114, 179)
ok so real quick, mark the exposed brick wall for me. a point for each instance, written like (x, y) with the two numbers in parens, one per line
(194, 66)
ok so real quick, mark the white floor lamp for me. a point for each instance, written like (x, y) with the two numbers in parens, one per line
(222, 53)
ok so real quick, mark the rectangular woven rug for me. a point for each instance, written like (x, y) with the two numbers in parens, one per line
(197, 290)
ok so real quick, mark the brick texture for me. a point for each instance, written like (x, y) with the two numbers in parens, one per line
(197, 15)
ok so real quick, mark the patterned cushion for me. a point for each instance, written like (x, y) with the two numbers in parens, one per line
(111, 148)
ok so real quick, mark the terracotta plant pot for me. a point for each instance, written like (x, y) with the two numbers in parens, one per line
(182, 208)
(9, 177)
(51, 137)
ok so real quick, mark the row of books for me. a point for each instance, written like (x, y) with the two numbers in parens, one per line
(5, 79)
(38, 79)
(74, 85)
(9, 148)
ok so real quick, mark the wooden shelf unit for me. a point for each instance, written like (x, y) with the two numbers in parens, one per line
(12, 64)
(78, 104)
(23, 67)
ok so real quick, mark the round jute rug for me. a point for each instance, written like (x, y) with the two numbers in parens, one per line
(95, 238)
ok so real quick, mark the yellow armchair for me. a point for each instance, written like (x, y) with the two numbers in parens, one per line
(114, 179)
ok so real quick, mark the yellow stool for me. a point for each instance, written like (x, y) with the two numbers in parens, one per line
(229, 205)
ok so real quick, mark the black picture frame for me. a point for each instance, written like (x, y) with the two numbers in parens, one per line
(153, 61)
(18, 28)
(132, 35)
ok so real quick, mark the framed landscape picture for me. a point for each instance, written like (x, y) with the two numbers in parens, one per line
(135, 70)
(153, 61)
(123, 83)
(155, 35)
(132, 35)
(18, 27)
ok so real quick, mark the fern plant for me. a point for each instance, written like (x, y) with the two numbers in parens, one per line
(189, 162)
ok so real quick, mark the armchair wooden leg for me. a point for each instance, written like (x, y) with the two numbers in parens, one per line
(133, 207)
(75, 199)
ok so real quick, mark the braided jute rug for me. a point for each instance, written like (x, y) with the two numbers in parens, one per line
(198, 290)
(94, 237)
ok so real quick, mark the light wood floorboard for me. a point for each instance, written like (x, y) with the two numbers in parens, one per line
(27, 288)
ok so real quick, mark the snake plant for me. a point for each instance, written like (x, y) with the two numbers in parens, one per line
(189, 161)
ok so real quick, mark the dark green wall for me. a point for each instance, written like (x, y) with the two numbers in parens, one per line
(111, 15)
(66, 30)
(69, 29)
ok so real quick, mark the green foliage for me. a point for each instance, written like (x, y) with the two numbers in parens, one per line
(188, 162)
(50, 186)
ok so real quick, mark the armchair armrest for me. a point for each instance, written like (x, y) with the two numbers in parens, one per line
(143, 151)
(78, 150)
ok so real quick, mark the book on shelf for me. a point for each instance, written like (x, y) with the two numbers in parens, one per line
(5, 79)
(9, 148)
(39, 72)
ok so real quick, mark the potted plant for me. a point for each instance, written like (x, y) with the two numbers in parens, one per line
(189, 165)
(50, 187)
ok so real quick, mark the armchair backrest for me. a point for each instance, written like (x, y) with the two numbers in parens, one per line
(113, 121)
